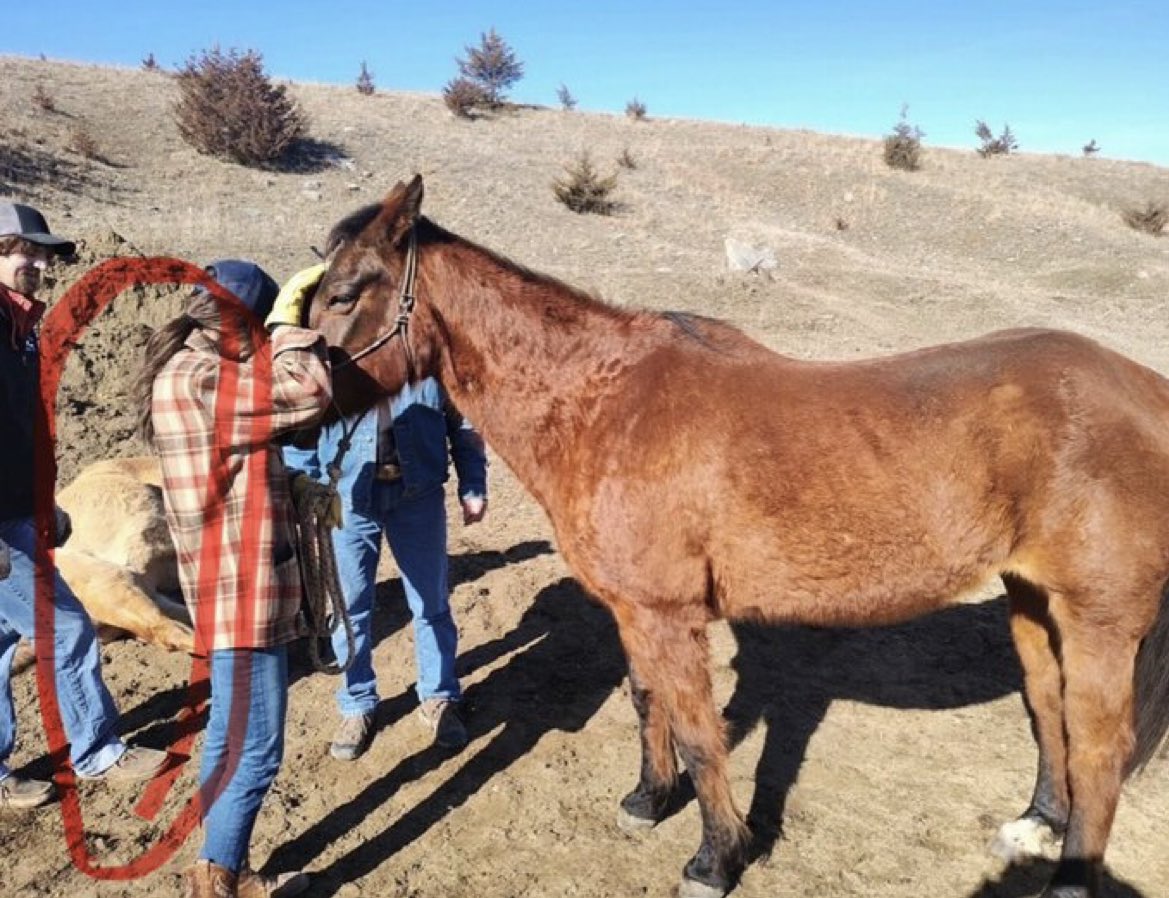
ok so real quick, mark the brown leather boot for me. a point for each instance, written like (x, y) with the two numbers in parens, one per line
(277, 885)
(204, 879)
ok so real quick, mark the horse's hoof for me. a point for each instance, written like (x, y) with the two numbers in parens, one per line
(1027, 838)
(632, 824)
(692, 888)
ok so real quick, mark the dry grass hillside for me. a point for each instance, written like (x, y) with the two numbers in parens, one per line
(892, 754)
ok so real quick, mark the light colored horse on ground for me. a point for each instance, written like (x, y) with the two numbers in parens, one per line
(120, 561)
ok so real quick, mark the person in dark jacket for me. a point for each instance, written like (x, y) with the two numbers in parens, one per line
(88, 713)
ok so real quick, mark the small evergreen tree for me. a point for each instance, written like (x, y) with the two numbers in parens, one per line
(583, 189)
(150, 64)
(567, 100)
(43, 99)
(903, 146)
(82, 142)
(1091, 148)
(365, 85)
(229, 108)
(636, 110)
(492, 66)
(1002, 145)
(462, 96)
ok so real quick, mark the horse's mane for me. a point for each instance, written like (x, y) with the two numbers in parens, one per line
(697, 327)
(694, 327)
(351, 225)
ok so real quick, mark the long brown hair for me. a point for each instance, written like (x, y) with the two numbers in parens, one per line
(161, 346)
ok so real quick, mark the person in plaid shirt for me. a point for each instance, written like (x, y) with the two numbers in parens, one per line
(216, 393)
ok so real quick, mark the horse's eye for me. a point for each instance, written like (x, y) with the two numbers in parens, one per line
(341, 299)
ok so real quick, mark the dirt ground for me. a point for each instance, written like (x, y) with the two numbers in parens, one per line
(875, 763)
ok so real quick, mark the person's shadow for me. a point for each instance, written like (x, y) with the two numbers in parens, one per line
(391, 613)
(160, 720)
(565, 662)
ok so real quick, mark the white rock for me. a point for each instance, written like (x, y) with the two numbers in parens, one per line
(744, 257)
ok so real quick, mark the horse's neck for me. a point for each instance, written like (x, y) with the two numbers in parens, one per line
(525, 357)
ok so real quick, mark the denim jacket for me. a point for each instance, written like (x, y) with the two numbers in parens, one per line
(424, 422)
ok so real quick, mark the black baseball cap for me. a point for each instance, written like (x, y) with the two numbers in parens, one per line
(25, 222)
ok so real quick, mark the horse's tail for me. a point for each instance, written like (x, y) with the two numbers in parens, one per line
(1151, 689)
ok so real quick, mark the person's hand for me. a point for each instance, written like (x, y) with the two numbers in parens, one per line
(290, 302)
(5, 560)
(307, 492)
(64, 526)
(474, 508)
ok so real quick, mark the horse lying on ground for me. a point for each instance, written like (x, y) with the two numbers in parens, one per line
(692, 474)
(120, 561)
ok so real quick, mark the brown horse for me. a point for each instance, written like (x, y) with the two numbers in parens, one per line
(692, 474)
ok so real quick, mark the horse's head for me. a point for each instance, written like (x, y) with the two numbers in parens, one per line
(378, 340)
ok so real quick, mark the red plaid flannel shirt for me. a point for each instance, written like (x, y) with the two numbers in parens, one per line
(226, 491)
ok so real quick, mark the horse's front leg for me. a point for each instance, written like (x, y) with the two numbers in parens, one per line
(669, 651)
(642, 808)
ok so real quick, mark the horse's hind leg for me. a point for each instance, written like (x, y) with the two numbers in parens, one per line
(645, 805)
(1036, 642)
(1097, 660)
(670, 652)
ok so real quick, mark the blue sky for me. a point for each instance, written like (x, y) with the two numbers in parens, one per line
(1059, 73)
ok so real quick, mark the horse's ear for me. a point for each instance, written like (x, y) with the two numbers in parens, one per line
(401, 208)
(414, 192)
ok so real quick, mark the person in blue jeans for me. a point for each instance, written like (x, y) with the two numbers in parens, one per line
(390, 481)
(215, 393)
(88, 714)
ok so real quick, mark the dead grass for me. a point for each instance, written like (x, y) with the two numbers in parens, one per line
(83, 143)
(1151, 218)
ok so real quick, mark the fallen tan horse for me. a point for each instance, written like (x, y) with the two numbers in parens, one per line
(119, 560)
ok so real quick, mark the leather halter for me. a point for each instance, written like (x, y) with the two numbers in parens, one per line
(401, 326)
(405, 307)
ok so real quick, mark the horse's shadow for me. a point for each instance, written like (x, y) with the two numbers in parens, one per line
(565, 662)
(1024, 880)
(787, 677)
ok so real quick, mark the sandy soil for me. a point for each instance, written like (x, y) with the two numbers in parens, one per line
(875, 763)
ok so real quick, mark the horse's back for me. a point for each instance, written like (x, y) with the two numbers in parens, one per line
(871, 490)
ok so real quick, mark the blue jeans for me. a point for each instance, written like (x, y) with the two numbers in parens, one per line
(245, 741)
(87, 711)
(416, 530)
